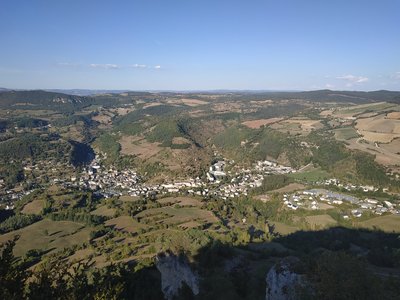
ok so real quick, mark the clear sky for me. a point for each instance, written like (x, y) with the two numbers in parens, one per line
(200, 44)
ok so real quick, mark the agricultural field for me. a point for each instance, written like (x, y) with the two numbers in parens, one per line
(385, 154)
(393, 115)
(35, 207)
(320, 221)
(127, 198)
(311, 175)
(389, 223)
(379, 128)
(186, 101)
(285, 229)
(351, 112)
(176, 215)
(103, 118)
(48, 235)
(392, 147)
(297, 126)
(373, 128)
(346, 133)
(134, 145)
(104, 211)
(125, 224)
(254, 124)
(291, 187)
(182, 201)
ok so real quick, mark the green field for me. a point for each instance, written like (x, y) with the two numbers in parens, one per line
(126, 224)
(48, 235)
(177, 215)
(104, 211)
(370, 107)
(345, 133)
(127, 198)
(311, 176)
(284, 229)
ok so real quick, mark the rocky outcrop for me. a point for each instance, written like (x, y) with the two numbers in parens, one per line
(174, 272)
(283, 283)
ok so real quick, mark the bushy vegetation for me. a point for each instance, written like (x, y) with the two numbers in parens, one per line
(276, 111)
(108, 143)
(130, 128)
(369, 170)
(232, 137)
(337, 275)
(140, 114)
(164, 132)
(81, 153)
(355, 166)
(56, 279)
(76, 215)
(273, 182)
(328, 153)
(73, 119)
(11, 172)
(4, 124)
(252, 145)
(18, 221)
(27, 122)
(34, 147)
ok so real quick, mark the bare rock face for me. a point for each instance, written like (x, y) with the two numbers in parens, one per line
(283, 282)
(174, 272)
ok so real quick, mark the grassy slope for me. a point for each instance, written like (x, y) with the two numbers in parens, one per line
(48, 235)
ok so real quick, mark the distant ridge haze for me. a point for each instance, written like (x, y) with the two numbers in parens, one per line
(75, 99)
(90, 92)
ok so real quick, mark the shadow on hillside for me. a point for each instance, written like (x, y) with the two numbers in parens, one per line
(239, 272)
(340, 263)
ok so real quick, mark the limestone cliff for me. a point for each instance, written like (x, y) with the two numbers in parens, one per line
(283, 282)
(174, 272)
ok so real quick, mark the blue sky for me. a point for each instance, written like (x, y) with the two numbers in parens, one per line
(200, 44)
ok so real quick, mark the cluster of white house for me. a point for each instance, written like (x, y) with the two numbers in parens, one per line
(35, 173)
(270, 167)
(312, 199)
(350, 186)
(110, 182)
(243, 179)
(97, 178)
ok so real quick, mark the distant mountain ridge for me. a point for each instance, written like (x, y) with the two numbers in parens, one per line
(325, 96)
(85, 92)
(39, 99)
(71, 100)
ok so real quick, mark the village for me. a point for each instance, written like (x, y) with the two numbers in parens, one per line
(110, 182)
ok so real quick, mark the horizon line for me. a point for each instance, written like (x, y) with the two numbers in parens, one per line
(189, 90)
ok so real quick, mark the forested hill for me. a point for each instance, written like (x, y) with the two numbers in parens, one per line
(325, 96)
(38, 99)
(353, 96)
